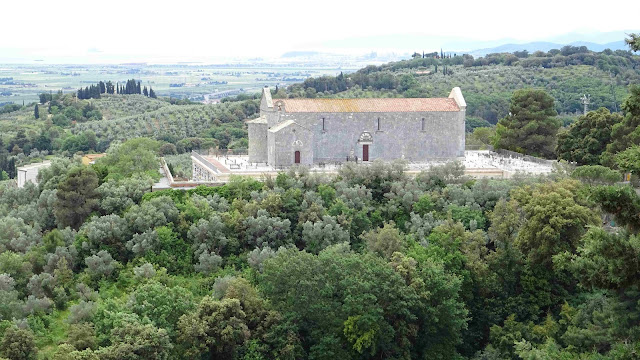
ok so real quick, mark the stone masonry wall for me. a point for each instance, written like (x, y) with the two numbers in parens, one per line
(257, 142)
(401, 135)
(289, 140)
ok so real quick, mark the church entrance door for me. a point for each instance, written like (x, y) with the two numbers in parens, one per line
(297, 157)
(365, 152)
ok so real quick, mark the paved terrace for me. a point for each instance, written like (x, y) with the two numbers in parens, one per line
(481, 163)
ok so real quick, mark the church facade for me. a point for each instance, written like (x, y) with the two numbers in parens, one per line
(312, 131)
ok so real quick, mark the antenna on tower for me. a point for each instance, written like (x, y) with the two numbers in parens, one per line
(586, 100)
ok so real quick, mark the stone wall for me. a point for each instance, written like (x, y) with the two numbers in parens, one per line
(398, 135)
(284, 143)
(257, 142)
(414, 136)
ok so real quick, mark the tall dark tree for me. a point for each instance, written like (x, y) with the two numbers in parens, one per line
(109, 87)
(43, 142)
(152, 94)
(8, 164)
(36, 112)
(145, 92)
(77, 197)
(531, 126)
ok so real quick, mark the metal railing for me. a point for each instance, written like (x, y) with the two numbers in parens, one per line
(222, 152)
(204, 162)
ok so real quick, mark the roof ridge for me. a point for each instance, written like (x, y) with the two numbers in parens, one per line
(370, 104)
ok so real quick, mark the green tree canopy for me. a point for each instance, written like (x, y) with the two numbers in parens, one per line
(633, 41)
(134, 156)
(76, 197)
(626, 133)
(629, 160)
(587, 138)
(18, 344)
(531, 126)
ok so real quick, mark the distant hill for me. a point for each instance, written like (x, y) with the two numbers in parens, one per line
(291, 54)
(546, 46)
(489, 82)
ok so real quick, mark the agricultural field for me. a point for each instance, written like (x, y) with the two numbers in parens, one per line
(20, 83)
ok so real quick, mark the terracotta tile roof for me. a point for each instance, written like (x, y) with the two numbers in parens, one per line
(369, 105)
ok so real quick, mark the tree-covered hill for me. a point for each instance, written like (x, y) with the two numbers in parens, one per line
(66, 125)
(487, 83)
(119, 106)
(173, 123)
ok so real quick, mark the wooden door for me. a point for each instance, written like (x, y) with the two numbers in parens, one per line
(365, 152)
(297, 157)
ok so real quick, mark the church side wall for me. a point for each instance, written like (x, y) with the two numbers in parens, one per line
(401, 135)
(257, 142)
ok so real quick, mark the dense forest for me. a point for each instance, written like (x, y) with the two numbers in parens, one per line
(370, 263)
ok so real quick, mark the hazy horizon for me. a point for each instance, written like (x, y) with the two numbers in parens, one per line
(77, 32)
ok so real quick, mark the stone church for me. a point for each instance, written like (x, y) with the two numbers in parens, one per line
(313, 131)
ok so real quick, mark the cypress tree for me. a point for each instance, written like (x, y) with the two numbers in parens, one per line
(152, 93)
(138, 88)
(36, 112)
(145, 92)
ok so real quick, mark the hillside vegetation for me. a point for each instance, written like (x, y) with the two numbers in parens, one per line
(370, 263)
(366, 265)
(119, 106)
(66, 125)
(488, 83)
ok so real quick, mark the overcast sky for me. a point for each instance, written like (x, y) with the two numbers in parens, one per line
(239, 28)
